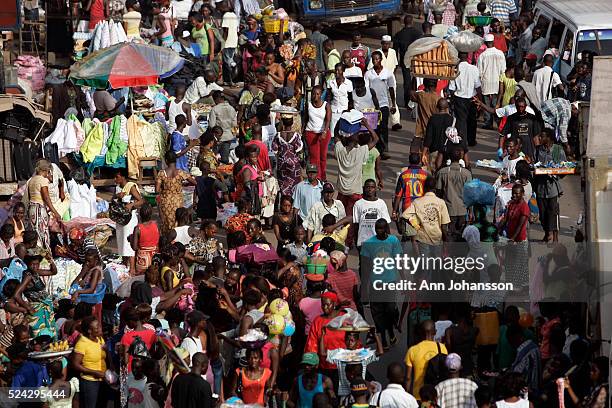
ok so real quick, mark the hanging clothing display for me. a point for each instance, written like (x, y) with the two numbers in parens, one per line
(107, 33)
(144, 140)
(82, 200)
(116, 146)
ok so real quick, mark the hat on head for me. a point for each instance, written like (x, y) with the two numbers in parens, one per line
(311, 359)
(453, 362)
(489, 38)
(311, 168)
(328, 187)
(185, 34)
(386, 38)
(531, 57)
(43, 165)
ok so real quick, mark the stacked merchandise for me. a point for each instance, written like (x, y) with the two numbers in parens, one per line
(32, 70)
(107, 33)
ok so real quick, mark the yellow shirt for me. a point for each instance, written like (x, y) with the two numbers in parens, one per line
(417, 357)
(94, 356)
(34, 185)
(175, 279)
(339, 235)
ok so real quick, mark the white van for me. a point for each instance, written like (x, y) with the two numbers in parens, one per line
(576, 25)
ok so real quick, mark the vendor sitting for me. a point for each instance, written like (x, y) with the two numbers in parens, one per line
(106, 105)
(78, 246)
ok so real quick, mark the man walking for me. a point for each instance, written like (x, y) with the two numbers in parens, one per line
(466, 86)
(456, 392)
(191, 390)
(390, 62)
(394, 396)
(382, 87)
(401, 42)
(449, 182)
(491, 64)
(308, 192)
(546, 80)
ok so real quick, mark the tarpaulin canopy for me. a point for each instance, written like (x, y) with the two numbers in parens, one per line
(126, 64)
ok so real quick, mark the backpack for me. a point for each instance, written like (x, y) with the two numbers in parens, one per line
(436, 370)
(138, 348)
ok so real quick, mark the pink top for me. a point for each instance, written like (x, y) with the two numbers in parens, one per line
(311, 308)
(265, 361)
(167, 22)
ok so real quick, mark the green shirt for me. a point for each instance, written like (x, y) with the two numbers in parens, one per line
(333, 58)
(201, 37)
(369, 168)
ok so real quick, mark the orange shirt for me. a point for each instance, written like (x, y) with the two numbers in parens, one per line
(253, 391)
(334, 339)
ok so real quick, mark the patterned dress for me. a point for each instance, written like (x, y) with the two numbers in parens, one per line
(289, 171)
(170, 198)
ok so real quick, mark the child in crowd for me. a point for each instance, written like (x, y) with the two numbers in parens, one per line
(514, 156)
(17, 221)
(179, 144)
(429, 396)
(371, 169)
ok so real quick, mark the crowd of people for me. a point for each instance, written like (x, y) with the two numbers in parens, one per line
(267, 246)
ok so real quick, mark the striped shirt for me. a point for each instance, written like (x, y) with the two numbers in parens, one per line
(501, 10)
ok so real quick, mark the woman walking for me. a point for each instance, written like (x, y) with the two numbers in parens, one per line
(286, 145)
(317, 131)
(145, 239)
(169, 186)
(41, 206)
(129, 194)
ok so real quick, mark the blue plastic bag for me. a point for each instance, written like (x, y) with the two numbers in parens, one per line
(478, 192)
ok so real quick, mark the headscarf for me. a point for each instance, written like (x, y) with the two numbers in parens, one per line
(338, 258)
(331, 296)
(472, 237)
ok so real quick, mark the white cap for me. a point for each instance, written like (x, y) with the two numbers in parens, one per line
(386, 38)
(489, 38)
(186, 34)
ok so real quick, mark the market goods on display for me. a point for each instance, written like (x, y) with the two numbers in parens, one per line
(432, 58)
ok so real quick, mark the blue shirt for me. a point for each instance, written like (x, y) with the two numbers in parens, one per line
(388, 248)
(30, 374)
(305, 196)
(177, 140)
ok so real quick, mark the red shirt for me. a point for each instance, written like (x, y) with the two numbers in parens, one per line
(515, 212)
(500, 42)
(148, 336)
(359, 57)
(334, 339)
(263, 161)
(343, 283)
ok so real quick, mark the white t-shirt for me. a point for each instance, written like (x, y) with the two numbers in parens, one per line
(353, 72)
(510, 165)
(350, 180)
(340, 94)
(441, 326)
(230, 21)
(316, 117)
(363, 102)
(192, 345)
(543, 84)
(366, 213)
(380, 84)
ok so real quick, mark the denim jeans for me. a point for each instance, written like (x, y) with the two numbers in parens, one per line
(89, 392)
(224, 150)
(228, 59)
(217, 369)
(489, 100)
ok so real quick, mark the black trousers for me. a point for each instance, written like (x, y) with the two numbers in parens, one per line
(383, 130)
(466, 114)
(549, 213)
(407, 84)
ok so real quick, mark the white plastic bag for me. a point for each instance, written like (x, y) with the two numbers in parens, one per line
(350, 319)
(424, 45)
(466, 41)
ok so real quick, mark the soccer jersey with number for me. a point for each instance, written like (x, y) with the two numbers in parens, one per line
(410, 185)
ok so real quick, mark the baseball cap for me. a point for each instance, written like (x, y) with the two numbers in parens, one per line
(489, 38)
(386, 38)
(311, 168)
(453, 362)
(328, 187)
(311, 359)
